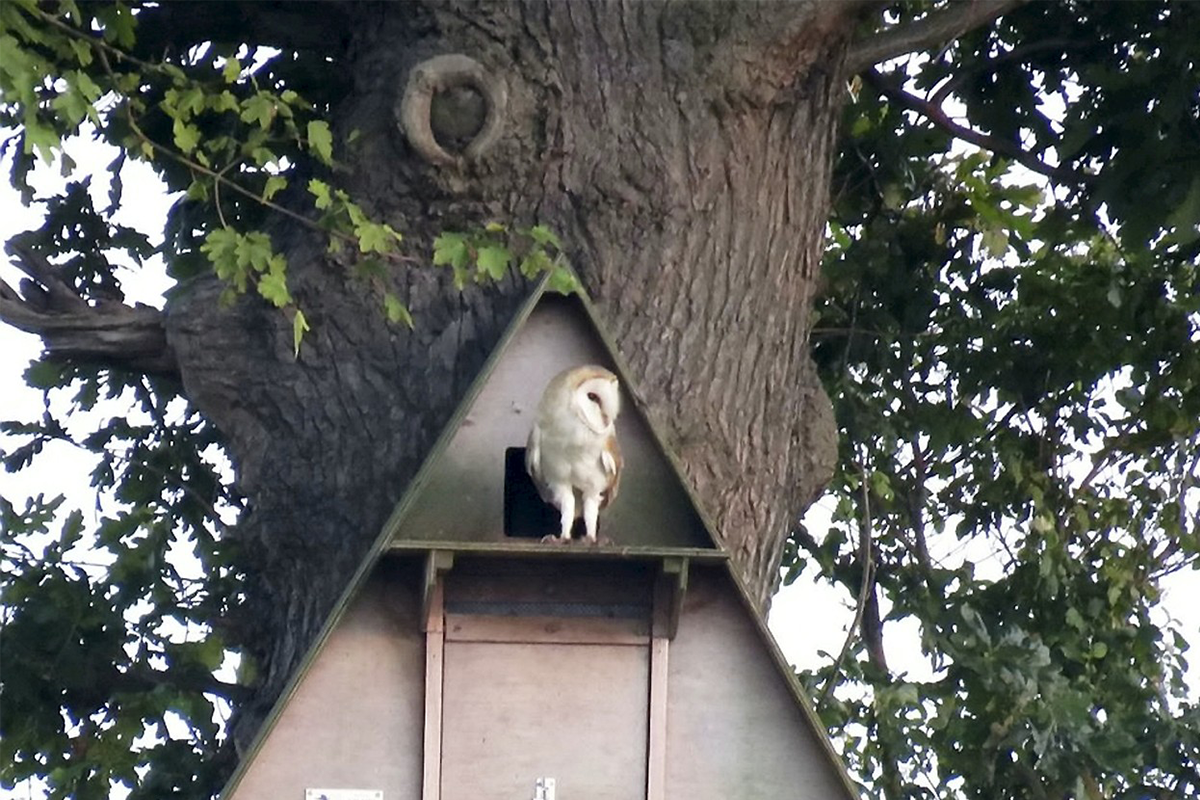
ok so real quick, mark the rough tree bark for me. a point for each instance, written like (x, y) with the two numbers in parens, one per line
(681, 151)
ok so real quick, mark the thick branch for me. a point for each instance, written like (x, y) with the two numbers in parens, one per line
(937, 115)
(766, 47)
(173, 27)
(930, 31)
(108, 332)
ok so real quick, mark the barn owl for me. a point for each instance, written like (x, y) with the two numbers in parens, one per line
(572, 454)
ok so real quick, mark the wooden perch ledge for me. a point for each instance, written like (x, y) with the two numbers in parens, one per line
(108, 332)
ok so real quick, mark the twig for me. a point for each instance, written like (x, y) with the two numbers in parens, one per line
(991, 64)
(938, 116)
(96, 42)
(866, 557)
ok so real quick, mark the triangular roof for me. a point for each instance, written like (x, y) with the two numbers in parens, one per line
(655, 500)
(459, 495)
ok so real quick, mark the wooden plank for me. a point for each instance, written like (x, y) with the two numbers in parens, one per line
(553, 551)
(736, 738)
(656, 758)
(553, 583)
(546, 630)
(517, 713)
(431, 778)
(354, 717)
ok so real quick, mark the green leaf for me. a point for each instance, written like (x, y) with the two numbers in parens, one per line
(273, 287)
(353, 210)
(535, 263)
(225, 101)
(232, 70)
(320, 140)
(72, 106)
(451, 249)
(396, 310)
(72, 530)
(493, 261)
(44, 374)
(187, 136)
(119, 24)
(83, 52)
(275, 184)
(374, 238)
(299, 328)
(186, 102)
(562, 281)
(995, 242)
(320, 190)
(254, 251)
(42, 138)
(544, 236)
(1075, 619)
(259, 108)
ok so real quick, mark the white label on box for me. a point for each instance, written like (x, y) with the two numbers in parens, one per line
(343, 794)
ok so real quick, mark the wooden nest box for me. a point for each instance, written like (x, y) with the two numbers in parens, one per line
(468, 660)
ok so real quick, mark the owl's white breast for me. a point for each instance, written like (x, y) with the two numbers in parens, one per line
(571, 454)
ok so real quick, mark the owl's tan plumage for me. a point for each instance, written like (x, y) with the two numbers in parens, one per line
(572, 454)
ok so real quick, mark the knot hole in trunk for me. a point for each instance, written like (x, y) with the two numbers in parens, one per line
(452, 110)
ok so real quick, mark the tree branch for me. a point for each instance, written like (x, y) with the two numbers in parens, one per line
(866, 588)
(991, 65)
(932, 30)
(70, 327)
(287, 26)
(765, 46)
(146, 679)
(935, 114)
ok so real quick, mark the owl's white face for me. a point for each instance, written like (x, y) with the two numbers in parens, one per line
(597, 401)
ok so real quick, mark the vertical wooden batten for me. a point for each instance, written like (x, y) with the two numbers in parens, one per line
(668, 590)
(435, 643)
(656, 756)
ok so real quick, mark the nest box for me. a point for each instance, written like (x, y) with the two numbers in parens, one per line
(469, 660)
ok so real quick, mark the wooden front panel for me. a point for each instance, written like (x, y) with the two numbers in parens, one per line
(516, 712)
(355, 720)
(734, 729)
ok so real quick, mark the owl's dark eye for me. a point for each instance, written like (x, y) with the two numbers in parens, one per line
(595, 398)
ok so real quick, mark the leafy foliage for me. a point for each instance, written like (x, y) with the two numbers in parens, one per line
(491, 254)
(1011, 336)
(108, 649)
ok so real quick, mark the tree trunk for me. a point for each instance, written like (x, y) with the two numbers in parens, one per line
(682, 152)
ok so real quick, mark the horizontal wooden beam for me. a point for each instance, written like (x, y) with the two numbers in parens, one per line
(550, 551)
